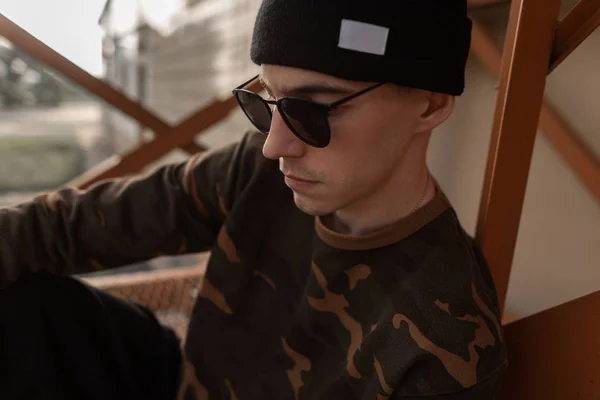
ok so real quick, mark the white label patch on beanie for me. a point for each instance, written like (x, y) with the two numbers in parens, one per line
(363, 37)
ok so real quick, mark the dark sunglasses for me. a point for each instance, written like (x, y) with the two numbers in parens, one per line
(308, 120)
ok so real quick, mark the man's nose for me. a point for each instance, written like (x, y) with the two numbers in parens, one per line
(281, 141)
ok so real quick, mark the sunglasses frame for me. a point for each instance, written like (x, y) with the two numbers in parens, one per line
(326, 108)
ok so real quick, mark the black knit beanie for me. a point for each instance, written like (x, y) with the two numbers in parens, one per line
(416, 43)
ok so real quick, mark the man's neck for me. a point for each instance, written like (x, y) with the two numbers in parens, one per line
(395, 200)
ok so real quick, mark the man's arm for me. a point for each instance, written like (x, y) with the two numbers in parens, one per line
(173, 210)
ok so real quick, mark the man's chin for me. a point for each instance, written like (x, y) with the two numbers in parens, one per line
(312, 207)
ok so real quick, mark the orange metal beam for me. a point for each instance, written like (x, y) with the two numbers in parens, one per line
(193, 148)
(583, 19)
(44, 54)
(566, 142)
(523, 72)
(573, 150)
(485, 48)
(555, 355)
(145, 154)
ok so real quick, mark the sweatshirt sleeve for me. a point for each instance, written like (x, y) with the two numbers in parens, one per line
(175, 209)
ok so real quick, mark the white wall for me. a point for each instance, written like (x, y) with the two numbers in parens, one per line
(558, 249)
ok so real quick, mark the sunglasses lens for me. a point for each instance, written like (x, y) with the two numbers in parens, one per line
(257, 111)
(310, 121)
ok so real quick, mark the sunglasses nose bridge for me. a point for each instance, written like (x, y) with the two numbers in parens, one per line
(281, 141)
(279, 126)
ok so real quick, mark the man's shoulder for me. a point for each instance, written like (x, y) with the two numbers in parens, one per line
(234, 166)
(450, 274)
(246, 152)
(217, 178)
(447, 307)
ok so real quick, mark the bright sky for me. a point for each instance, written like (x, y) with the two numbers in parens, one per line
(68, 26)
(71, 26)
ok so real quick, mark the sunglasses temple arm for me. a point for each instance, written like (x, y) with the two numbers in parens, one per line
(355, 95)
(247, 82)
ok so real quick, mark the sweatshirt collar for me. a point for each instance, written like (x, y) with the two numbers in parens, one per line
(391, 234)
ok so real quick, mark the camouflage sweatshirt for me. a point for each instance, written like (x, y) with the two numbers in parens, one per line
(288, 309)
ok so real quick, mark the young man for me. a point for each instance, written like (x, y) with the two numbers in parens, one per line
(338, 268)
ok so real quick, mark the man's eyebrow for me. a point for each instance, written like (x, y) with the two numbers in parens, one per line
(309, 89)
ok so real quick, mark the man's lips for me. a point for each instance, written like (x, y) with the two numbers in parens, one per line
(298, 184)
(298, 179)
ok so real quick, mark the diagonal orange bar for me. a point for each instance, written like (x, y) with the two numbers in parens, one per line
(566, 142)
(573, 150)
(485, 48)
(38, 50)
(161, 145)
(581, 21)
(523, 72)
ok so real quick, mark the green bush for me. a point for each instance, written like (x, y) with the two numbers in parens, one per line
(39, 162)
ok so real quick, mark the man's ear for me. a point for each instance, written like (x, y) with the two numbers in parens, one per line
(439, 108)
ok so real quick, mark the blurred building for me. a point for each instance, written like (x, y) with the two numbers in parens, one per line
(178, 58)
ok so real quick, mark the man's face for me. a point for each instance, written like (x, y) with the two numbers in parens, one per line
(369, 137)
